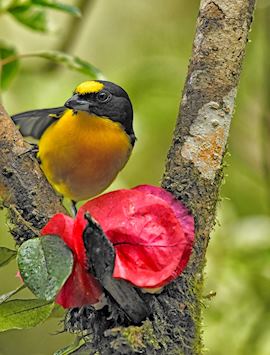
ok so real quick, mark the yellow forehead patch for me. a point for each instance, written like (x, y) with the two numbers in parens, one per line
(88, 87)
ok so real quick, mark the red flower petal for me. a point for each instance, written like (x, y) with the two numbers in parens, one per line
(152, 243)
(182, 214)
(81, 288)
(62, 226)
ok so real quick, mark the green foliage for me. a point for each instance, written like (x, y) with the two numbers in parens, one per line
(70, 61)
(6, 255)
(45, 264)
(9, 70)
(22, 314)
(31, 17)
(33, 14)
(57, 5)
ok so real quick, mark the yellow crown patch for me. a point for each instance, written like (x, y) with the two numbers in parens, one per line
(88, 87)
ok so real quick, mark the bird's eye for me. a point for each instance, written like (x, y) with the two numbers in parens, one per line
(104, 96)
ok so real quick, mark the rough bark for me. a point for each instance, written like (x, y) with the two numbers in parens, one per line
(193, 174)
(23, 188)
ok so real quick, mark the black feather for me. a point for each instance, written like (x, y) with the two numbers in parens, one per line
(34, 123)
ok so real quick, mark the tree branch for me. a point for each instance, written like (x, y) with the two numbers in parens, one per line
(23, 188)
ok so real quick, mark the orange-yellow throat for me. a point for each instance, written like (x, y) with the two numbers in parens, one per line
(81, 154)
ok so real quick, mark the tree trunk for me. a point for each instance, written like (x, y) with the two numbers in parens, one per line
(194, 166)
(193, 174)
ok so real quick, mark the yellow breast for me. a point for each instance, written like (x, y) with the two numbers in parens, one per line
(81, 154)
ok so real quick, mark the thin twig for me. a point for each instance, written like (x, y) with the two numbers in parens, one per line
(22, 221)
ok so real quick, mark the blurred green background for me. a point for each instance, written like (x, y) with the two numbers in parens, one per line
(145, 47)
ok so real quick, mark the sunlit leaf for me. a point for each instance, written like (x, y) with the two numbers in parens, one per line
(9, 70)
(72, 10)
(6, 296)
(22, 314)
(70, 61)
(32, 17)
(45, 264)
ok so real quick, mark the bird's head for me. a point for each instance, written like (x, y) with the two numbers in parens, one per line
(103, 99)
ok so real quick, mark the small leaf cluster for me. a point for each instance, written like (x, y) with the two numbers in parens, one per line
(45, 264)
(33, 14)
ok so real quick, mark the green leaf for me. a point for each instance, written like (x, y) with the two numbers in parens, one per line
(70, 61)
(22, 314)
(53, 4)
(67, 350)
(31, 17)
(45, 264)
(6, 296)
(6, 255)
(9, 70)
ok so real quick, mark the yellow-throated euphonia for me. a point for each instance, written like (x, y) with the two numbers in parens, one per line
(84, 144)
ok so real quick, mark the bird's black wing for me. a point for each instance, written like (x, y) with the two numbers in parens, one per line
(34, 123)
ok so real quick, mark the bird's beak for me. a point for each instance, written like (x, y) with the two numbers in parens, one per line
(77, 104)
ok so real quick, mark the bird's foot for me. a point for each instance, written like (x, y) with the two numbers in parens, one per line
(33, 150)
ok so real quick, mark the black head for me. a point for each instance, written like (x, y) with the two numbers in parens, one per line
(104, 99)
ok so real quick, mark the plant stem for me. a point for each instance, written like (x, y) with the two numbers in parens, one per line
(12, 58)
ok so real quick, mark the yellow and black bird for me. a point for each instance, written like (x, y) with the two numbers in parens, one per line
(84, 144)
